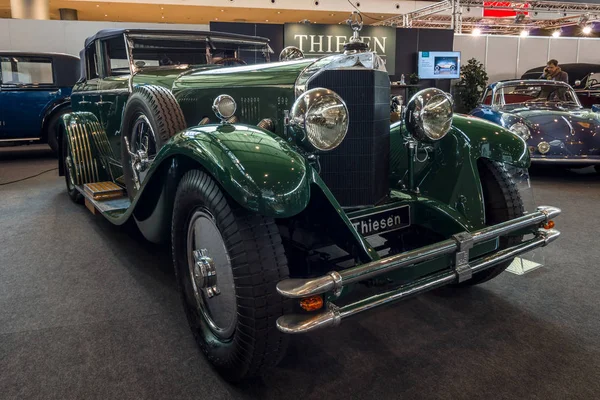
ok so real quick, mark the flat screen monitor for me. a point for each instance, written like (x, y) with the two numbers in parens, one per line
(439, 65)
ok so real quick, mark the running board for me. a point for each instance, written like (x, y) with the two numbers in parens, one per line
(105, 197)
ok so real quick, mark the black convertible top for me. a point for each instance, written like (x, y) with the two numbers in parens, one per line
(576, 71)
(111, 33)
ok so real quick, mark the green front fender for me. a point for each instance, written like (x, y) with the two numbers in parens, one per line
(448, 172)
(488, 140)
(257, 168)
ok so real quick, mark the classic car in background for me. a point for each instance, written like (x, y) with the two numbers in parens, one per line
(581, 78)
(548, 116)
(34, 93)
(271, 181)
(588, 90)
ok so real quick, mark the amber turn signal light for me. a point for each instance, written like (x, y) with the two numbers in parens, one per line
(549, 225)
(312, 303)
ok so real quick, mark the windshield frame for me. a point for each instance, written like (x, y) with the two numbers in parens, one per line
(211, 44)
(499, 101)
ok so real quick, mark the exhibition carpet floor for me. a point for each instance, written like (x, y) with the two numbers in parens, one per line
(91, 311)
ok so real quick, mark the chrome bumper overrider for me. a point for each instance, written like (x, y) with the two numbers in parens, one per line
(463, 269)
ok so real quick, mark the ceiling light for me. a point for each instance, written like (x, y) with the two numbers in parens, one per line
(556, 34)
(162, 8)
(106, 15)
(476, 32)
(278, 12)
(97, 5)
(216, 19)
(331, 15)
(222, 10)
(266, 20)
(587, 30)
(524, 33)
(163, 17)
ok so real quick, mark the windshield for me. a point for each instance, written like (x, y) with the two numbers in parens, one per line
(593, 80)
(163, 50)
(517, 94)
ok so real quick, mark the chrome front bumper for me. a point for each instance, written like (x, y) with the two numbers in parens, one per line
(462, 270)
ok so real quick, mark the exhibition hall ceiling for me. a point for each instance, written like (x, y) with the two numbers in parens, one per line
(186, 14)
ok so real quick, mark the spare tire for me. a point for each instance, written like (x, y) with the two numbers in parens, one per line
(151, 117)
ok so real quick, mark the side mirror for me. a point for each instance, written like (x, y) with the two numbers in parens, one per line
(596, 107)
(577, 82)
(291, 53)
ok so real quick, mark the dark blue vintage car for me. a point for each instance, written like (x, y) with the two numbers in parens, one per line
(35, 90)
(549, 116)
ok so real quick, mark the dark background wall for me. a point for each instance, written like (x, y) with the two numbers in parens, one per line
(408, 43)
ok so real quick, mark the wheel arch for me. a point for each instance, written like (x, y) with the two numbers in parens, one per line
(49, 113)
(231, 167)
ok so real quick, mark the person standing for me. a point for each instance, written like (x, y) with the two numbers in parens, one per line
(553, 72)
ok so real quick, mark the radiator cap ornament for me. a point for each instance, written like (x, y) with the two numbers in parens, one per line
(355, 45)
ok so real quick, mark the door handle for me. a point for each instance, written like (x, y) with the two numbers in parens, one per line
(83, 102)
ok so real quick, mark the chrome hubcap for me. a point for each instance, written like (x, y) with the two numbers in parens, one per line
(211, 275)
(142, 148)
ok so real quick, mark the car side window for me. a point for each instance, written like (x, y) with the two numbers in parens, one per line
(18, 70)
(115, 52)
(487, 99)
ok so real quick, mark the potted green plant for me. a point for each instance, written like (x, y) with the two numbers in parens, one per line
(473, 80)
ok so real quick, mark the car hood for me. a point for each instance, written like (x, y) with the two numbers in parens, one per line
(555, 121)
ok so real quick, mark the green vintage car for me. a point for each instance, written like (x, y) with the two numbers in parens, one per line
(282, 187)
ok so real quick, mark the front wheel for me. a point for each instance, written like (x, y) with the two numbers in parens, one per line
(227, 262)
(502, 202)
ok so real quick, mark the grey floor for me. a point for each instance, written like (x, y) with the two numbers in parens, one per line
(90, 311)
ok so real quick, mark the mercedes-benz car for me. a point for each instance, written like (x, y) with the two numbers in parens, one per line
(549, 116)
(282, 187)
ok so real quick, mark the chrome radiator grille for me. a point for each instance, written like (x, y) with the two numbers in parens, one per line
(357, 172)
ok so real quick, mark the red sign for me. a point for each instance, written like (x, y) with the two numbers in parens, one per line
(503, 9)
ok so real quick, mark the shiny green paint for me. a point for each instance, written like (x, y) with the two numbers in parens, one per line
(449, 174)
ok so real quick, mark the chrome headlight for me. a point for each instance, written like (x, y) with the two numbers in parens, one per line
(224, 107)
(520, 129)
(322, 116)
(429, 114)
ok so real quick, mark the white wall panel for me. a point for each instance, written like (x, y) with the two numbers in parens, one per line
(501, 57)
(533, 52)
(4, 35)
(564, 50)
(589, 51)
(64, 36)
(470, 47)
(32, 35)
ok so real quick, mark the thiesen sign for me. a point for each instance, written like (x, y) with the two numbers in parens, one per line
(321, 40)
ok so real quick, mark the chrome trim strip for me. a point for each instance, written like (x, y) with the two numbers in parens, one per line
(589, 161)
(302, 323)
(299, 288)
(100, 92)
(20, 139)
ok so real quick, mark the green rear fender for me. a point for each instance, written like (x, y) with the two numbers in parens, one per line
(258, 169)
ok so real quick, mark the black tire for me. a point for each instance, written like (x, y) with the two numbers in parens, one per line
(73, 193)
(502, 202)
(164, 115)
(597, 168)
(257, 263)
(51, 133)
